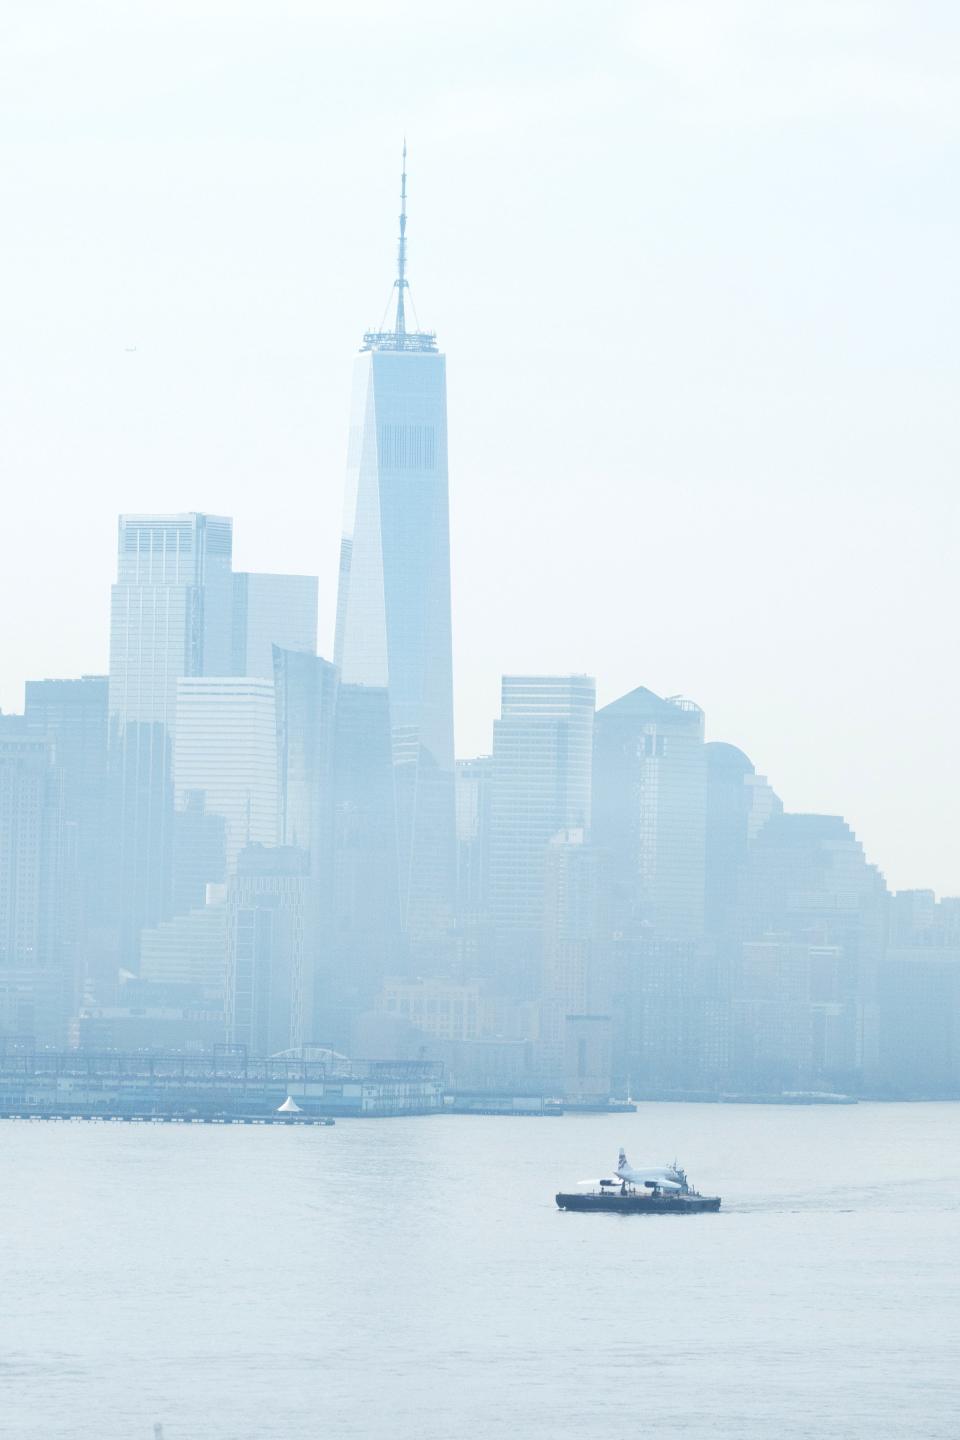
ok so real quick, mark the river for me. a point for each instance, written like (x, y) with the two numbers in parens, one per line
(413, 1280)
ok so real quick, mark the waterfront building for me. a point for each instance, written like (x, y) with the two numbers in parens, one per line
(366, 940)
(393, 606)
(796, 1024)
(438, 1008)
(171, 616)
(541, 785)
(269, 1004)
(576, 979)
(671, 1016)
(271, 610)
(72, 714)
(920, 998)
(738, 804)
(649, 811)
(189, 950)
(199, 851)
(36, 989)
(226, 748)
(587, 1060)
(808, 882)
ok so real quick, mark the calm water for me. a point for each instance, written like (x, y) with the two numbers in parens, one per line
(412, 1279)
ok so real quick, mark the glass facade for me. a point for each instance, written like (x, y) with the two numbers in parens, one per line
(650, 801)
(271, 610)
(170, 616)
(225, 746)
(393, 612)
(35, 992)
(542, 754)
(268, 1000)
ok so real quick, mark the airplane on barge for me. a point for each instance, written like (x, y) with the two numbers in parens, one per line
(664, 1191)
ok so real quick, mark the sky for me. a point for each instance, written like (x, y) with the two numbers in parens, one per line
(692, 262)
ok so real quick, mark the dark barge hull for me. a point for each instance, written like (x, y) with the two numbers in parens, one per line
(639, 1204)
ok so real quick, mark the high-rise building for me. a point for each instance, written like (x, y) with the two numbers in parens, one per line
(474, 781)
(649, 812)
(808, 881)
(271, 610)
(268, 1000)
(542, 754)
(920, 997)
(393, 607)
(306, 705)
(226, 746)
(739, 803)
(72, 715)
(366, 941)
(576, 948)
(35, 990)
(171, 616)
(199, 851)
(190, 949)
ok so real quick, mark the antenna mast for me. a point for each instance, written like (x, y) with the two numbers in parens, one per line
(401, 280)
(423, 342)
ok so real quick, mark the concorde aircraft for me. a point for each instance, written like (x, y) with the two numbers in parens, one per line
(667, 1178)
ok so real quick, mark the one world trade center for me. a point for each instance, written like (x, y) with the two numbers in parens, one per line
(393, 607)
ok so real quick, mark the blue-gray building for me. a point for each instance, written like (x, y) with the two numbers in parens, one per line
(171, 616)
(393, 611)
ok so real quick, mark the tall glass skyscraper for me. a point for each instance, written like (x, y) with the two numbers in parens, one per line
(541, 785)
(649, 811)
(393, 610)
(171, 615)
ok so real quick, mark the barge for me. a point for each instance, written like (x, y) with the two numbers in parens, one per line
(649, 1191)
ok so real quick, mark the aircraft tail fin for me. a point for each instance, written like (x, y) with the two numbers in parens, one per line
(622, 1162)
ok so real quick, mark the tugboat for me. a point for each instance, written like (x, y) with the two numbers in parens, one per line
(640, 1192)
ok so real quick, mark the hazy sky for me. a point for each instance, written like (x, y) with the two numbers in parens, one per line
(693, 263)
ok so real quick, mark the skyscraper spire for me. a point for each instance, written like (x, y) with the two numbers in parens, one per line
(400, 338)
(401, 280)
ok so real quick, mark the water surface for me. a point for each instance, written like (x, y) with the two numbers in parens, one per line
(413, 1280)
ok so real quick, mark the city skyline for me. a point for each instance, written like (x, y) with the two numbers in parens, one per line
(742, 444)
(478, 587)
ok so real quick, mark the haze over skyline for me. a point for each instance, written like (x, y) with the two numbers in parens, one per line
(693, 270)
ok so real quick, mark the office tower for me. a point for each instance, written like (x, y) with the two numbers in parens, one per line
(306, 704)
(189, 950)
(170, 617)
(35, 990)
(808, 882)
(199, 851)
(271, 610)
(337, 803)
(474, 782)
(739, 803)
(542, 752)
(576, 941)
(672, 1013)
(367, 941)
(226, 747)
(795, 1023)
(649, 811)
(920, 998)
(72, 714)
(393, 607)
(268, 1001)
